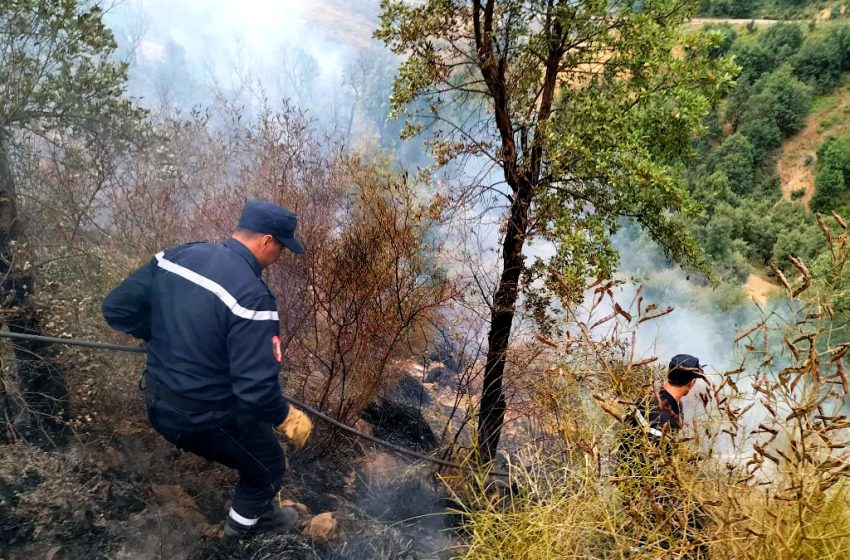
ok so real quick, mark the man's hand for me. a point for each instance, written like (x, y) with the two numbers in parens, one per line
(296, 427)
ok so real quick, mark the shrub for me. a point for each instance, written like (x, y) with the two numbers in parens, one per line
(829, 185)
(758, 124)
(835, 153)
(841, 36)
(782, 40)
(792, 100)
(755, 61)
(729, 8)
(726, 37)
(735, 158)
(818, 63)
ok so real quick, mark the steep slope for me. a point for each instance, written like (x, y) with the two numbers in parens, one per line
(797, 165)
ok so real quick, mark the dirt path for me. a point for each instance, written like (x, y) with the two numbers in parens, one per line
(759, 289)
(794, 171)
(731, 21)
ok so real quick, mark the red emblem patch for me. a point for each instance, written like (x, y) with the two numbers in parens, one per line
(277, 349)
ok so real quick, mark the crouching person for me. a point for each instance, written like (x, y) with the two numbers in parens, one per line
(212, 385)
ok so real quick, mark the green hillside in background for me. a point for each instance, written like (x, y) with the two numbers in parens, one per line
(777, 151)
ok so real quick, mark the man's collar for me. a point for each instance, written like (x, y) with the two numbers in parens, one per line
(244, 252)
(669, 400)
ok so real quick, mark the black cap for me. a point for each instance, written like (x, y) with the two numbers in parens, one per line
(271, 219)
(683, 368)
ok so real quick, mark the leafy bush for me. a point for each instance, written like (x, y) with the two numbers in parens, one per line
(758, 124)
(841, 37)
(835, 153)
(792, 100)
(729, 8)
(735, 158)
(834, 174)
(726, 37)
(782, 40)
(818, 63)
(755, 61)
(829, 185)
(802, 243)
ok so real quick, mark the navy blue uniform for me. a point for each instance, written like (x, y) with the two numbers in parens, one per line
(658, 415)
(209, 321)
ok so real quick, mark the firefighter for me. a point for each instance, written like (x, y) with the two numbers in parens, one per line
(646, 446)
(212, 387)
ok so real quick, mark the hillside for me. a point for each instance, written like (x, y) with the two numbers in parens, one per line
(797, 163)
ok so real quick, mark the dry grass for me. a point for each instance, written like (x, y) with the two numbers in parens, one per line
(761, 475)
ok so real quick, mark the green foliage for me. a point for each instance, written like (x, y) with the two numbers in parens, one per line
(792, 100)
(829, 186)
(725, 36)
(835, 153)
(841, 37)
(782, 40)
(730, 8)
(736, 159)
(754, 59)
(803, 243)
(818, 63)
(834, 175)
(758, 124)
(57, 71)
(616, 141)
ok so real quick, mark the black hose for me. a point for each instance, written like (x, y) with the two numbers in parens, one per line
(308, 408)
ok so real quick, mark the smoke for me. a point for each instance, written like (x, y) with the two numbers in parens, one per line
(183, 54)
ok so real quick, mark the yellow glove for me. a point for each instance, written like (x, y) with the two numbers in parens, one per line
(296, 427)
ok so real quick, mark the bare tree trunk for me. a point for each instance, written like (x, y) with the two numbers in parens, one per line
(491, 414)
(40, 379)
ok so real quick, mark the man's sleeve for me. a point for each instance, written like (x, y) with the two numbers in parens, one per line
(254, 371)
(127, 308)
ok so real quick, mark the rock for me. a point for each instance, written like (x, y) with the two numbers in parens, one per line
(322, 527)
(172, 499)
(379, 469)
(297, 506)
(363, 427)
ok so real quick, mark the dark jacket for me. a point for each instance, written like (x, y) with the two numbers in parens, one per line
(651, 424)
(656, 415)
(209, 321)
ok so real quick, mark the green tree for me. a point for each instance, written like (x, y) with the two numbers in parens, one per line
(782, 40)
(758, 125)
(755, 61)
(792, 100)
(585, 111)
(736, 159)
(59, 85)
(834, 153)
(829, 186)
(730, 8)
(818, 63)
(841, 37)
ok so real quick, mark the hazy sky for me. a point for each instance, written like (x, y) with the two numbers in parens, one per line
(227, 37)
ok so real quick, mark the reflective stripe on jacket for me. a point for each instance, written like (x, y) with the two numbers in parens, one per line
(209, 321)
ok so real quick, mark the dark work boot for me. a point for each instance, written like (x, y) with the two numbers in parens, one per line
(234, 530)
(278, 520)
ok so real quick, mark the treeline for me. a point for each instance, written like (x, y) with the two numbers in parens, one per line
(774, 9)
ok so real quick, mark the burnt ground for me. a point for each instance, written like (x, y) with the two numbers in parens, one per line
(128, 494)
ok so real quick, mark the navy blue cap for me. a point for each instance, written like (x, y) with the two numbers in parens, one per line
(685, 367)
(264, 217)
